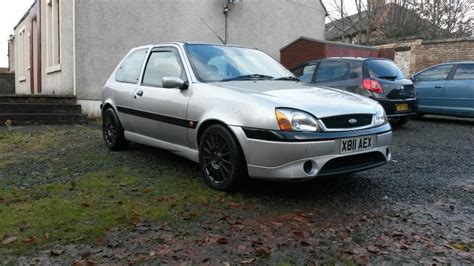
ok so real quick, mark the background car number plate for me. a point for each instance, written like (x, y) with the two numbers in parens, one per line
(357, 144)
(402, 107)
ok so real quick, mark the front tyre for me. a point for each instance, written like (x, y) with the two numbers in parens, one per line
(112, 131)
(221, 160)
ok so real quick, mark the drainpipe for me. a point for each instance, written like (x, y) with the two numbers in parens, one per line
(226, 19)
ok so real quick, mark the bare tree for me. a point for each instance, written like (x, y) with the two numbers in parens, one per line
(379, 20)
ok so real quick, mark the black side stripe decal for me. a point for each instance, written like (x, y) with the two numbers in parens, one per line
(157, 117)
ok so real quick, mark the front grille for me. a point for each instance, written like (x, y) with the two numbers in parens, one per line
(353, 163)
(347, 121)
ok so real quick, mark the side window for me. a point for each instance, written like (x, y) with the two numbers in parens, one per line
(162, 64)
(329, 71)
(464, 72)
(306, 73)
(435, 73)
(129, 71)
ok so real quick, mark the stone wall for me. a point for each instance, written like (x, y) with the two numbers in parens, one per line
(7, 83)
(413, 56)
(430, 53)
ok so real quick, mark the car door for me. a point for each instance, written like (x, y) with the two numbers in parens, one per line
(162, 112)
(429, 86)
(337, 74)
(458, 97)
(125, 84)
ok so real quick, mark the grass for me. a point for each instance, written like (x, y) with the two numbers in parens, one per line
(107, 194)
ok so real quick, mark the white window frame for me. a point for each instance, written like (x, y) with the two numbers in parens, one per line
(53, 36)
(22, 54)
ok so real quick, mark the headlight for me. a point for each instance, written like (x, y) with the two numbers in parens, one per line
(380, 116)
(294, 120)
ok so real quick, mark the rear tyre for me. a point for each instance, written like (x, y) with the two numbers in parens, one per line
(112, 131)
(400, 122)
(221, 159)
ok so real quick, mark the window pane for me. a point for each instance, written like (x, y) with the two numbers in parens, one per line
(436, 73)
(305, 73)
(333, 71)
(160, 65)
(129, 71)
(464, 72)
(383, 69)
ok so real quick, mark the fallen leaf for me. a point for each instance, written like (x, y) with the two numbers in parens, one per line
(30, 240)
(358, 251)
(298, 234)
(263, 252)
(373, 249)
(46, 235)
(163, 251)
(397, 234)
(222, 241)
(9, 240)
(24, 226)
(304, 243)
(102, 241)
(362, 260)
(247, 261)
(459, 246)
(56, 252)
(233, 205)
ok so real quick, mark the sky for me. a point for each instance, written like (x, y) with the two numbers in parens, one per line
(11, 12)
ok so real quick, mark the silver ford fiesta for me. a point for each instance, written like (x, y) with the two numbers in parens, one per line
(239, 113)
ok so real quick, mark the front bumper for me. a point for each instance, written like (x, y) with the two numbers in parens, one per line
(390, 107)
(277, 155)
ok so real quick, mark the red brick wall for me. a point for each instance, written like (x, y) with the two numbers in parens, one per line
(300, 52)
(306, 50)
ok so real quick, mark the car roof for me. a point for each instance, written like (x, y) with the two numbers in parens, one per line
(184, 43)
(345, 59)
(455, 63)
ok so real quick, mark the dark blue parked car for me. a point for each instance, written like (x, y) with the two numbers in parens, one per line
(446, 89)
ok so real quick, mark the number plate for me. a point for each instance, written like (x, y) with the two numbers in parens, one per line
(357, 144)
(402, 107)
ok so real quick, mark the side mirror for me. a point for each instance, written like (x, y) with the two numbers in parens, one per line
(174, 83)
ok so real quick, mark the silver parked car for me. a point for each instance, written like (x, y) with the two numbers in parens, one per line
(239, 113)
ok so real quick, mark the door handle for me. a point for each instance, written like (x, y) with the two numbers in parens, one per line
(438, 87)
(140, 93)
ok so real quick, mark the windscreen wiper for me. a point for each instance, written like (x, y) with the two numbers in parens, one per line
(249, 77)
(288, 78)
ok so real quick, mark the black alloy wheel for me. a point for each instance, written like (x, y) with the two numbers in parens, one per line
(221, 159)
(112, 131)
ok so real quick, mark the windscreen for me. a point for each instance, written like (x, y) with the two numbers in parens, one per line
(214, 63)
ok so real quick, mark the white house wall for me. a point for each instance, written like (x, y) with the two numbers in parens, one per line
(107, 29)
(22, 82)
(59, 82)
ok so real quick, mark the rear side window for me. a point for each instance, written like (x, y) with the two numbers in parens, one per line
(162, 64)
(329, 71)
(129, 71)
(383, 69)
(435, 73)
(305, 73)
(464, 72)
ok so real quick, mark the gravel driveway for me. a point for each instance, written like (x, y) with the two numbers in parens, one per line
(417, 209)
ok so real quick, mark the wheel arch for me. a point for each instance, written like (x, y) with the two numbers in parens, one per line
(205, 125)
